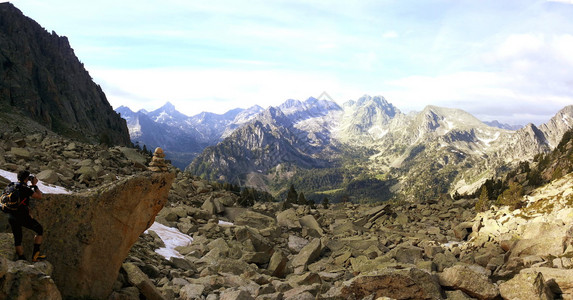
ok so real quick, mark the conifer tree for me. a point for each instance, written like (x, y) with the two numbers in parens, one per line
(512, 196)
(292, 195)
(483, 202)
(301, 199)
(325, 202)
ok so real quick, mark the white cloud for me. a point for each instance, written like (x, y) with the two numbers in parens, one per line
(390, 34)
(193, 91)
(561, 1)
(520, 44)
(527, 78)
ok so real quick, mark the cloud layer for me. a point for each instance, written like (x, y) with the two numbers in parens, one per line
(505, 60)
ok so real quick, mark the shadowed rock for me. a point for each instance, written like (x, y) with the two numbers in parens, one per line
(88, 235)
(397, 284)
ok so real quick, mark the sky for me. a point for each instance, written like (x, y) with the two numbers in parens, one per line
(509, 60)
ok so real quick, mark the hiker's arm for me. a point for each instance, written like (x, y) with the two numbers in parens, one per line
(37, 193)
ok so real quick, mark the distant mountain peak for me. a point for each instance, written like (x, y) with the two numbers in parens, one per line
(497, 124)
(168, 107)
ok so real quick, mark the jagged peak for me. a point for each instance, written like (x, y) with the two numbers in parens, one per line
(377, 101)
(323, 103)
(255, 108)
(167, 107)
(290, 103)
(124, 109)
(452, 114)
(498, 124)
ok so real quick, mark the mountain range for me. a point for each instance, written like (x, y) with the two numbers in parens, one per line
(358, 149)
(183, 137)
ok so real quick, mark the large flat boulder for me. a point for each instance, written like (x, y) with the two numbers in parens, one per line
(409, 283)
(472, 280)
(526, 286)
(562, 277)
(88, 236)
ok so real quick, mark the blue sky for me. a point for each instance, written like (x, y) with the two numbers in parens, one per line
(505, 60)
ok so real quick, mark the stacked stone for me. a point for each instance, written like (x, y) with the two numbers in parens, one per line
(158, 161)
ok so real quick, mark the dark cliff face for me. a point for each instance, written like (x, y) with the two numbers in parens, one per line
(41, 78)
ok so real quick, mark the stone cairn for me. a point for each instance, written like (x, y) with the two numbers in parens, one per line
(158, 161)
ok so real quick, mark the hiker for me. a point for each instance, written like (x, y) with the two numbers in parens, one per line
(20, 217)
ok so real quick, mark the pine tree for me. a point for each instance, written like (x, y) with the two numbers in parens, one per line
(292, 195)
(512, 196)
(301, 199)
(325, 202)
(483, 202)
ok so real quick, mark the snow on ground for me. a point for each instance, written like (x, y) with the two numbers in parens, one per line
(489, 141)
(172, 238)
(44, 187)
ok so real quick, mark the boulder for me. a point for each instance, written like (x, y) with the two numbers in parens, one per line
(310, 222)
(235, 295)
(462, 230)
(278, 264)
(191, 292)
(288, 219)
(541, 247)
(138, 279)
(305, 279)
(21, 153)
(296, 243)
(255, 220)
(347, 228)
(259, 242)
(307, 255)
(407, 254)
(213, 206)
(133, 155)
(562, 277)
(470, 279)
(526, 286)
(19, 280)
(541, 239)
(357, 244)
(88, 235)
(457, 295)
(408, 283)
(48, 176)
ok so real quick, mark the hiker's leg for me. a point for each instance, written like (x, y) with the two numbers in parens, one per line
(35, 226)
(17, 231)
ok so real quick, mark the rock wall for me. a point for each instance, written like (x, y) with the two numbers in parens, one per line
(88, 236)
(41, 78)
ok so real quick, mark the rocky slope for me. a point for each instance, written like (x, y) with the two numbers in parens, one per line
(439, 250)
(41, 78)
(87, 233)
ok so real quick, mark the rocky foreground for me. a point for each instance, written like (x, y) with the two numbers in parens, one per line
(439, 250)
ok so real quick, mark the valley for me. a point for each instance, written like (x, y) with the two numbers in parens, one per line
(421, 155)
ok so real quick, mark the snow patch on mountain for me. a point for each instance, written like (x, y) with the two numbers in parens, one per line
(487, 141)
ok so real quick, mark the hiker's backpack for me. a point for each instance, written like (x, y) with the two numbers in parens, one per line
(10, 199)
